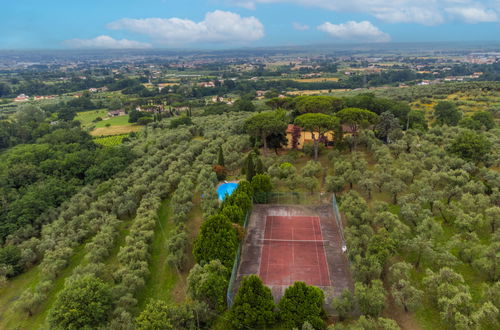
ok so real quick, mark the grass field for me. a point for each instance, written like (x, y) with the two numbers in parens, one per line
(320, 79)
(14, 319)
(107, 126)
(468, 103)
(87, 117)
(312, 92)
(114, 121)
(162, 278)
(115, 130)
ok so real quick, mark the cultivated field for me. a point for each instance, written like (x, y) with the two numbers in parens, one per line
(320, 79)
(115, 130)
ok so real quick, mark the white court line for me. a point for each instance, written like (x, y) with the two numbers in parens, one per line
(326, 256)
(317, 254)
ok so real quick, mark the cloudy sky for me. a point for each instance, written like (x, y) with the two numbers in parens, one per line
(119, 24)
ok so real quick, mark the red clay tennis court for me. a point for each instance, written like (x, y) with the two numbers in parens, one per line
(293, 250)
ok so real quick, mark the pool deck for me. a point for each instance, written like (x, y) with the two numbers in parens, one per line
(221, 183)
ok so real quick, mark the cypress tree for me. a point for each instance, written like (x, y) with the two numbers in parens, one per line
(220, 157)
(259, 166)
(250, 170)
(253, 305)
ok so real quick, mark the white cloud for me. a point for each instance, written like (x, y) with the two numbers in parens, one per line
(106, 42)
(473, 15)
(426, 12)
(356, 31)
(247, 4)
(218, 26)
(300, 26)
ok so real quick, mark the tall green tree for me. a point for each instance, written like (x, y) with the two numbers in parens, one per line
(317, 124)
(447, 113)
(371, 298)
(261, 184)
(471, 146)
(253, 306)
(387, 126)
(264, 124)
(217, 240)
(84, 304)
(250, 167)
(484, 118)
(301, 303)
(356, 118)
(318, 104)
(208, 284)
(220, 157)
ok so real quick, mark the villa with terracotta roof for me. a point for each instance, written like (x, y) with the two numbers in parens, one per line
(303, 137)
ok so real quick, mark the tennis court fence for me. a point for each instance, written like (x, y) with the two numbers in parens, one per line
(286, 198)
(230, 289)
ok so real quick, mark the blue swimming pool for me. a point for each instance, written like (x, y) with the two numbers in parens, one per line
(226, 189)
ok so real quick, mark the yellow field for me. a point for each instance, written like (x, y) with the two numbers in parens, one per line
(147, 85)
(320, 79)
(316, 92)
(115, 130)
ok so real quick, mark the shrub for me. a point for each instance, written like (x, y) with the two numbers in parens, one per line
(344, 304)
(220, 171)
(286, 169)
(144, 120)
(156, 315)
(308, 149)
(311, 169)
(182, 120)
(159, 315)
(240, 199)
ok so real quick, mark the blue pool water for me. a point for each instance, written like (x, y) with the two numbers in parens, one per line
(226, 189)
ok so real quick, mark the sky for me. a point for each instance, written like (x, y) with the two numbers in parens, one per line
(220, 24)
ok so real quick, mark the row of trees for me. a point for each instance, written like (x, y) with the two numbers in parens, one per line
(94, 215)
(254, 307)
(169, 173)
(92, 211)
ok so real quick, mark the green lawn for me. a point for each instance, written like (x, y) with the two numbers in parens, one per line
(87, 117)
(162, 278)
(112, 262)
(115, 121)
(11, 292)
